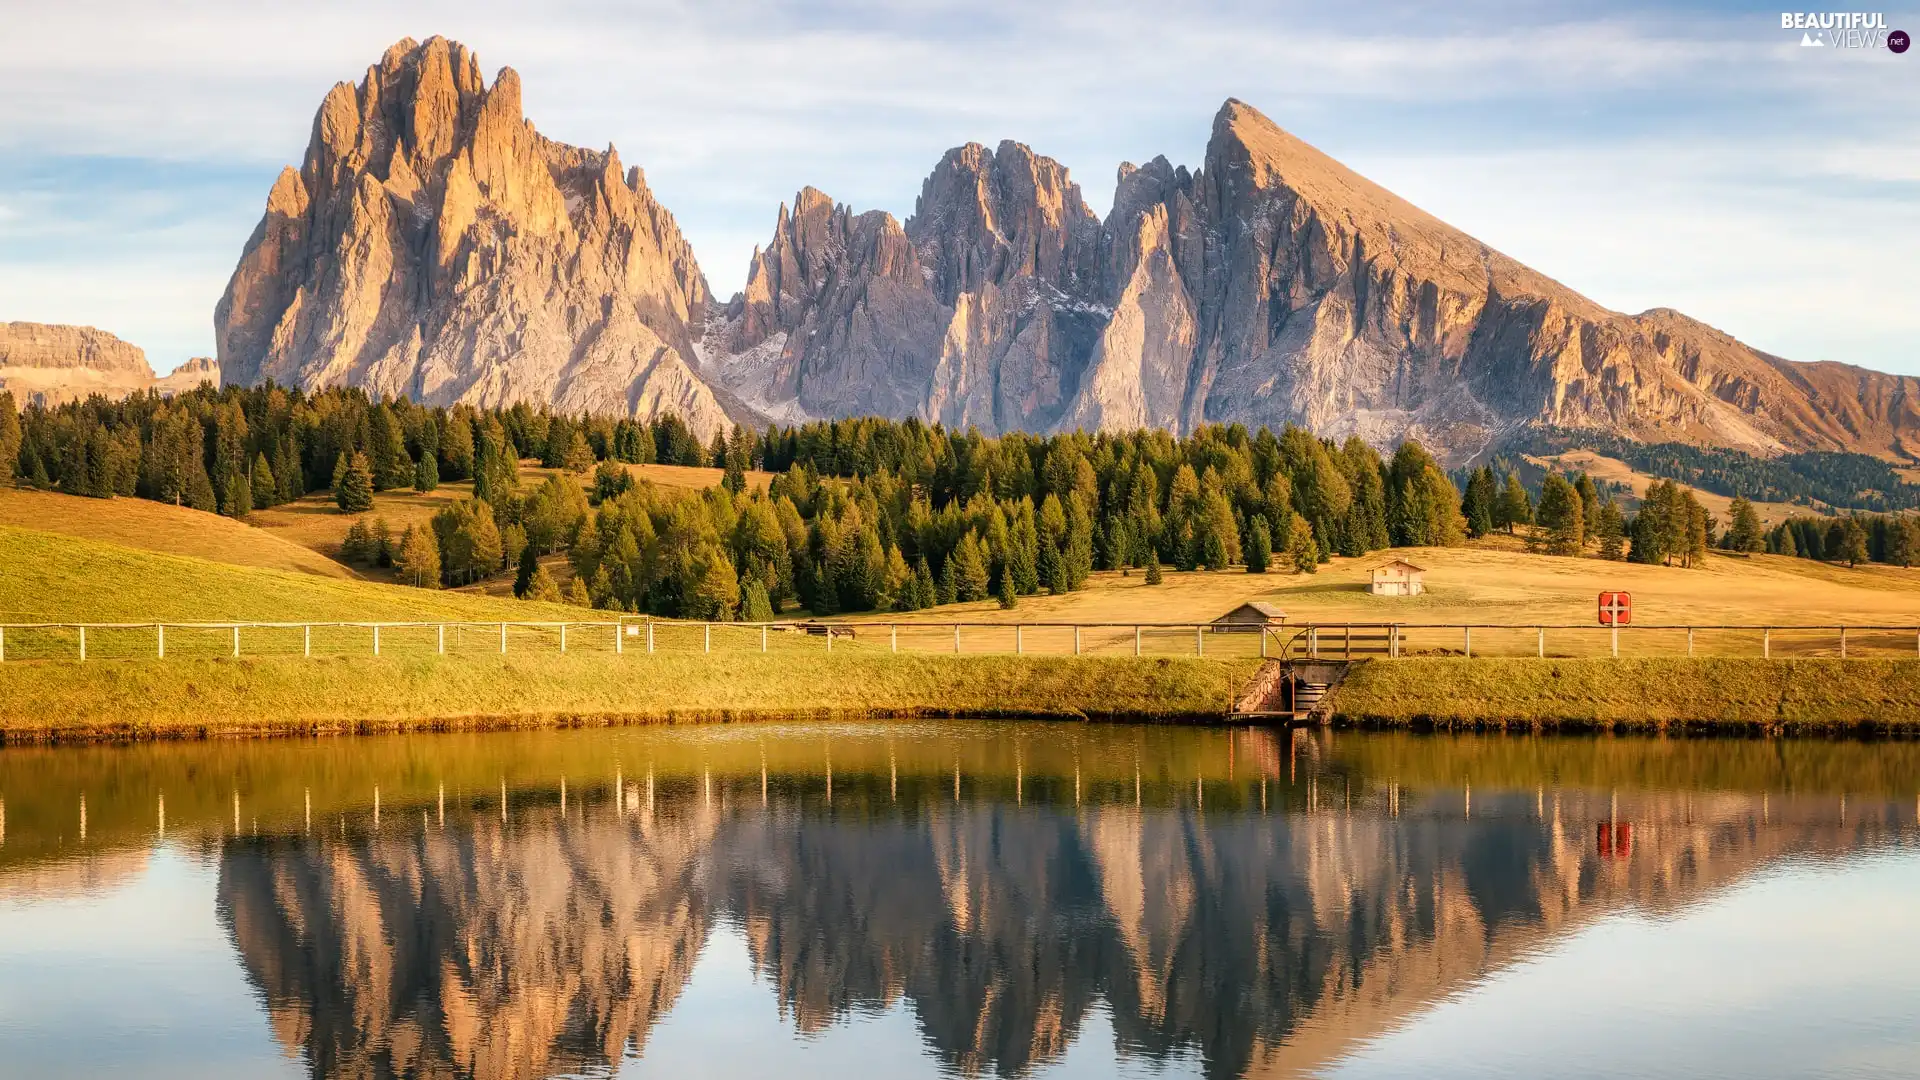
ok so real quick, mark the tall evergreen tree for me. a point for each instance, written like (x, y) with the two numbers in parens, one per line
(353, 484)
(266, 491)
(1514, 509)
(1259, 545)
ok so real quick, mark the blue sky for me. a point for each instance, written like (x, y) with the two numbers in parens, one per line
(1693, 157)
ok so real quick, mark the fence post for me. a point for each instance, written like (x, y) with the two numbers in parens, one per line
(1076, 639)
(563, 637)
(1263, 643)
(1136, 641)
(503, 639)
(376, 639)
(619, 631)
(1689, 641)
(443, 639)
(1616, 641)
(306, 645)
(236, 641)
(1540, 647)
(83, 644)
(1018, 645)
(1348, 634)
(3, 644)
(1843, 643)
(829, 630)
(649, 637)
(1469, 640)
(1199, 642)
(763, 637)
(160, 640)
(893, 636)
(709, 644)
(956, 639)
(1766, 643)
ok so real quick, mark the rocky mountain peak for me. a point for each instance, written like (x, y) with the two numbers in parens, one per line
(992, 216)
(435, 244)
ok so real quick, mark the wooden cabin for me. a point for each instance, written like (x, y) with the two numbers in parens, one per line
(1398, 578)
(1250, 617)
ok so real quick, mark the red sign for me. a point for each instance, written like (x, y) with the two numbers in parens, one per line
(1616, 608)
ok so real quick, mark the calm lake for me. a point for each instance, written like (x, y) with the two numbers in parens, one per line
(960, 899)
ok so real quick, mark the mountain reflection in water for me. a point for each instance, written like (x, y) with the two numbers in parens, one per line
(1258, 903)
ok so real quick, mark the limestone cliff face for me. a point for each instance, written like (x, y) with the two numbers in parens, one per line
(434, 244)
(980, 311)
(42, 364)
(1272, 285)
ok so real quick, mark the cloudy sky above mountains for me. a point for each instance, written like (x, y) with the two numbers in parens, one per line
(1694, 157)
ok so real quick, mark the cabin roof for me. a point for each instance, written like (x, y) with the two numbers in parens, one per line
(1271, 611)
(1399, 562)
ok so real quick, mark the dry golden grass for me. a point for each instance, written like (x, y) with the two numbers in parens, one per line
(694, 477)
(1601, 467)
(1775, 697)
(1496, 581)
(52, 577)
(125, 699)
(174, 530)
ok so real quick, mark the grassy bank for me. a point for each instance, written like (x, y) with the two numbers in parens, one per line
(195, 698)
(1715, 693)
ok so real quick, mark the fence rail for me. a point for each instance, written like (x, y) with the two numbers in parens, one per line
(200, 640)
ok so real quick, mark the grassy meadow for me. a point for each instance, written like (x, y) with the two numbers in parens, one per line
(288, 695)
(1720, 694)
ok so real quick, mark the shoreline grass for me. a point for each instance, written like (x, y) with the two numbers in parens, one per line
(1678, 694)
(130, 700)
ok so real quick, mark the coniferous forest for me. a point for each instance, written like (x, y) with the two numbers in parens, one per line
(860, 515)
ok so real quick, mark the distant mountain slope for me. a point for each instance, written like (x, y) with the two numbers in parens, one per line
(44, 364)
(1273, 285)
(434, 244)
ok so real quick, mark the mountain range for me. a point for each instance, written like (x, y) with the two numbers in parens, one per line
(434, 244)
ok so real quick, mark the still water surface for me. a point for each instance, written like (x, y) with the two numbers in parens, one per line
(960, 899)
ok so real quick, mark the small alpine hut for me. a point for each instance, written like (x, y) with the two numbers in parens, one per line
(1250, 617)
(1398, 578)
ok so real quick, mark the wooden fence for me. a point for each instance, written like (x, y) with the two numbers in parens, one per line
(1336, 641)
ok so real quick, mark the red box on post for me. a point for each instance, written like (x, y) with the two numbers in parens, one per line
(1616, 609)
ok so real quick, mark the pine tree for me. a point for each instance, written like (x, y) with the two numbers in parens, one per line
(34, 470)
(1589, 506)
(1302, 549)
(426, 473)
(970, 570)
(577, 593)
(1515, 508)
(10, 438)
(357, 548)
(353, 484)
(1611, 531)
(755, 605)
(1480, 502)
(924, 593)
(418, 560)
(1153, 568)
(529, 567)
(541, 587)
(1259, 545)
(266, 491)
(1008, 599)
(1561, 515)
(1853, 543)
(1744, 532)
(388, 464)
(381, 546)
